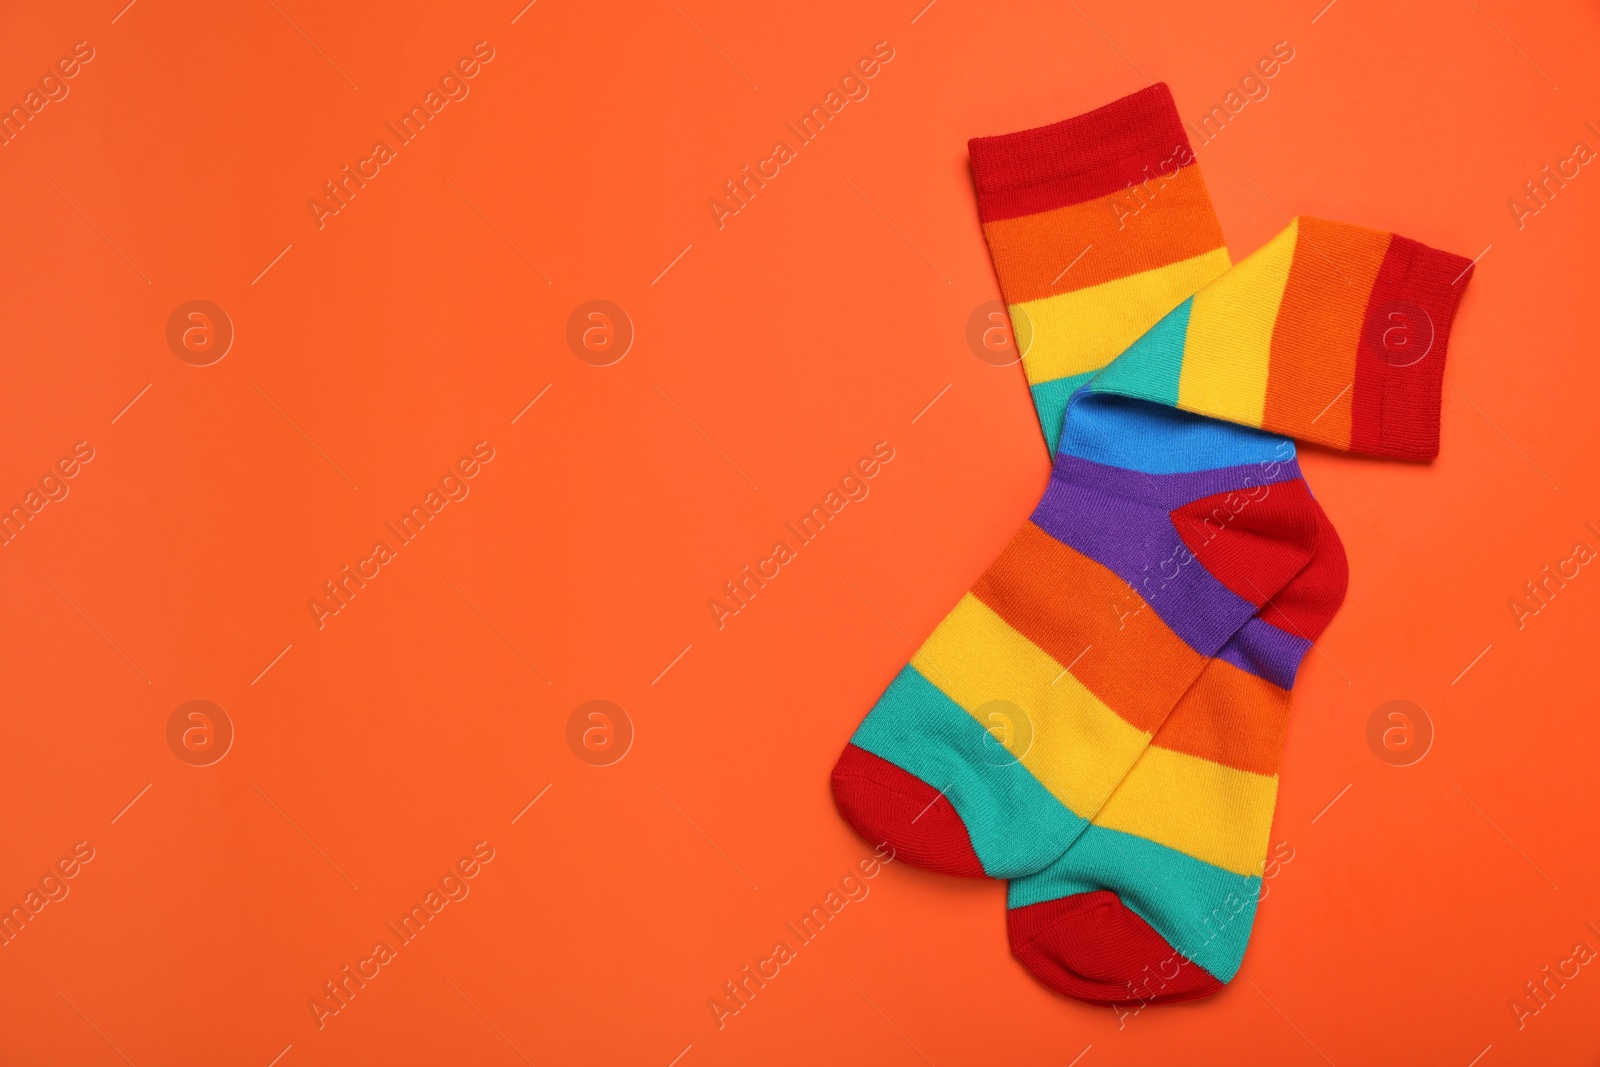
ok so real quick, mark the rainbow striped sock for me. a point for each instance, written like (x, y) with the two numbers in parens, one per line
(1014, 722)
(1336, 334)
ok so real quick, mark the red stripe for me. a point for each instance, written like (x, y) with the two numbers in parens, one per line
(1094, 947)
(1405, 332)
(1104, 151)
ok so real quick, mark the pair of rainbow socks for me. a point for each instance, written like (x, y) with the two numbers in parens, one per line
(1100, 718)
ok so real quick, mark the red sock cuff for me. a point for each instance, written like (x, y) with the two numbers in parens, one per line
(1400, 361)
(1095, 154)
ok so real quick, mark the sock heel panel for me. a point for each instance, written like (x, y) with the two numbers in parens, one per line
(1255, 540)
(1306, 606)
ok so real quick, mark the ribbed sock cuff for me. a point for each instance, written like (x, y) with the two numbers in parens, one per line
(1097, 153)
(1404, 339)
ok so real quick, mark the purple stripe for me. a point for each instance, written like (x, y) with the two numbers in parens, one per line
(1138, 542)
(1266, 652)
(1169, 491)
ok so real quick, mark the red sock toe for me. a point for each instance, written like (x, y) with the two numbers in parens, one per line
(1093, 947)
(891, 806)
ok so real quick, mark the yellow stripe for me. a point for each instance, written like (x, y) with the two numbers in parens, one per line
(1075, 745)
(1230, 335)
(1214, 813)
(1084, 330)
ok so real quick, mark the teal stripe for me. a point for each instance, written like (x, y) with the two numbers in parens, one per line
(1016, 825)
(1203, 911)
(1050, 401)
(1149, 369)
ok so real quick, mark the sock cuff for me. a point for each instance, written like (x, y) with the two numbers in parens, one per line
(1399, 372)
(1083, 158)
(1329, 333)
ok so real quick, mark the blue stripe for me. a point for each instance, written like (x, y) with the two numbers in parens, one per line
(1119, 432)
(1050, 401)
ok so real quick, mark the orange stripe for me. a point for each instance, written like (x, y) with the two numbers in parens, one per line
(1140, 228)
(1310, 382)
(1229, 716)
(1082, 614)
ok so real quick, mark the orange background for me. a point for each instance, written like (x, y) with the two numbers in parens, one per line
(427, 714)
